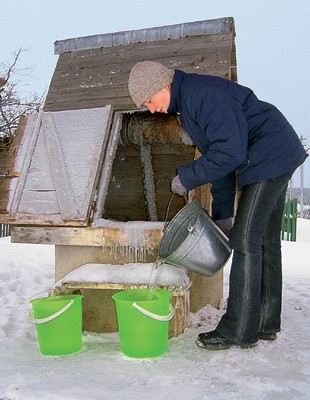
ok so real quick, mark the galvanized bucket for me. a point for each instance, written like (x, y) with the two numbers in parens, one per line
(192, 240)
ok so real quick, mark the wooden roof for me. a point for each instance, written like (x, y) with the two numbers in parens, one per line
(93, 71)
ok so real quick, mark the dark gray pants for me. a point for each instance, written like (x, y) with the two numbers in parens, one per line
(255, 285)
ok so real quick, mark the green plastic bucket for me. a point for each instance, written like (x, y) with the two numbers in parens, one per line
(58, 321)
(143, 322)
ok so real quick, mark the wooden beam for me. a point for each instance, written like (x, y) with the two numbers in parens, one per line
(175, 290)
(147, 238)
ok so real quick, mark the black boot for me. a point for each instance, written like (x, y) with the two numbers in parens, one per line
(215, 341)
(267, 335)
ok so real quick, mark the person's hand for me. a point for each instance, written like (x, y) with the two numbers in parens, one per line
(177, 187)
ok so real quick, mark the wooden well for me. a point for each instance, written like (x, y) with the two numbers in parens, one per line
(91, 172)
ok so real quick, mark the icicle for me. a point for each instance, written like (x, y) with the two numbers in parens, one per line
(133, 240)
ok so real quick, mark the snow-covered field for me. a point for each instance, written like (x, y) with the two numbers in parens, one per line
(272, 370)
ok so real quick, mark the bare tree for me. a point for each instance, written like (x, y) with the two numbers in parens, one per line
(14, 102)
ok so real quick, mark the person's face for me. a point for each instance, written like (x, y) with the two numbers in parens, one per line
(160, 101)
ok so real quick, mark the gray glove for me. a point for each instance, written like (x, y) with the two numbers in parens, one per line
(177, 187)
(225, 224)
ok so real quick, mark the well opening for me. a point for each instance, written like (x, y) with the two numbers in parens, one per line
(149, 149)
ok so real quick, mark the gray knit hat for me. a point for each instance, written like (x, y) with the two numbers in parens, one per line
(146, 78)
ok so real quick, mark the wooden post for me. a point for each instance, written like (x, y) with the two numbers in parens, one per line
(205, 290)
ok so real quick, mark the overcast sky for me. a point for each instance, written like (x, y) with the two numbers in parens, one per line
(272, 41)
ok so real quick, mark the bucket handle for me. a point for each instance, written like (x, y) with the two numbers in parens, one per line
(166, 223)
(51, 317)
(163, 318)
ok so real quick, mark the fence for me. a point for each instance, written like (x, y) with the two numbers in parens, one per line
(4, 230)
(289, 221)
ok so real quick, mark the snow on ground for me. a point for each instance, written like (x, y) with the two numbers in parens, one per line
(271, 371)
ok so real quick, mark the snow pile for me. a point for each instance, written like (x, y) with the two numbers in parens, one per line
(127, 274)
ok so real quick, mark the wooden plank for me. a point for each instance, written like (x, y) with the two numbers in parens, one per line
(175, 290)
(129, 52)
(102, 76)
(79, 104)
(95, 77)
(94, 97)
(92, 78)
(208, 290)
(28, 153)
(116, 85)
(118, 62)
(38, 197)
(109, 156)
(147, 234)
(60, 179)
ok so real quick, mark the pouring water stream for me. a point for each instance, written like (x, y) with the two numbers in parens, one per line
(159, 263)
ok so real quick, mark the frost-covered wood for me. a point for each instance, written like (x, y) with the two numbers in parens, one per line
(135, 235)
(59, 169)
(209, 27)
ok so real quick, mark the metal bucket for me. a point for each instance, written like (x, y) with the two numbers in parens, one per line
(192, 240)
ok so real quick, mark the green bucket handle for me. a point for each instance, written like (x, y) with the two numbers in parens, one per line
(163, 318)
(51, 317)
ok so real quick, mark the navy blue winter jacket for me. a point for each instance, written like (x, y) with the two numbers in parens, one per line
(234, 131)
